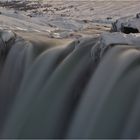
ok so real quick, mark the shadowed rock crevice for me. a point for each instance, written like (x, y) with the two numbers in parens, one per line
(128, 30)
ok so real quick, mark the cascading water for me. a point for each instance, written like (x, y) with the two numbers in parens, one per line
(87, 89)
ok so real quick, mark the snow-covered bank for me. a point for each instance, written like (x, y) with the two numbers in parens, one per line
(55, 26)
(64, 19)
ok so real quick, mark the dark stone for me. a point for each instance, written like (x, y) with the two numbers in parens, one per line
(128, 30)
(138, 15)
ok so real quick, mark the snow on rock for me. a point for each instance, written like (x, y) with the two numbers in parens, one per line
(127, 25)
(108, 39)
(7, 35)
(6, 40)
(115, 38)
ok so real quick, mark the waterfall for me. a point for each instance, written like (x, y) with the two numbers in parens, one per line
(88, 88)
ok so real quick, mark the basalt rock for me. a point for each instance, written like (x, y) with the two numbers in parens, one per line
(127, 25)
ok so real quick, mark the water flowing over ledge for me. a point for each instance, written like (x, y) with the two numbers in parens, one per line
(87, 88)
(65, 74)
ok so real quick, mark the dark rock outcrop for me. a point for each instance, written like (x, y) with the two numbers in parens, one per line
(127, 25)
